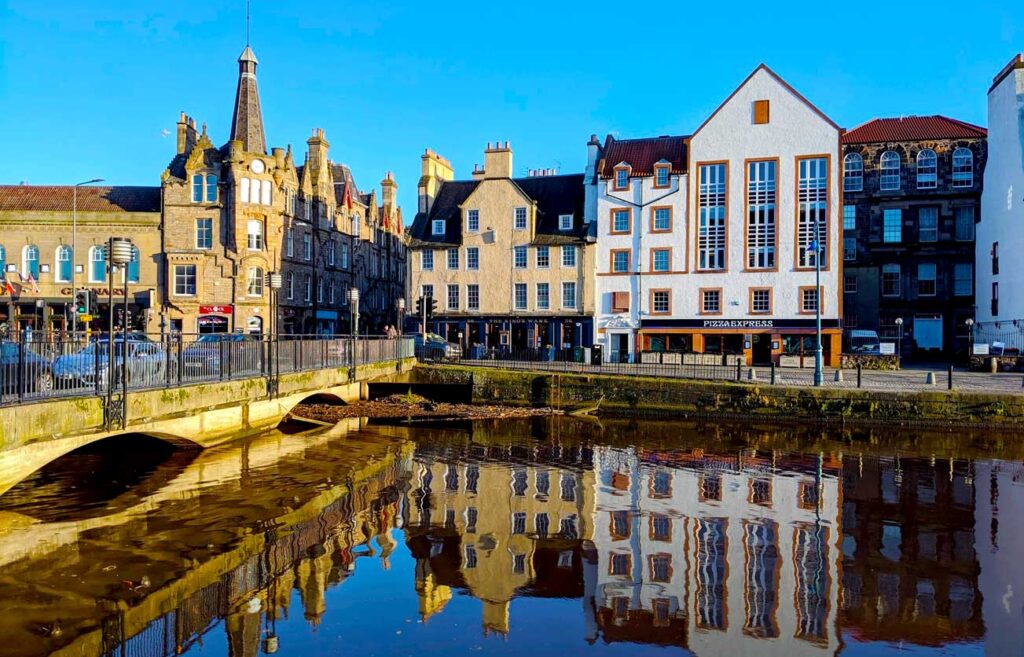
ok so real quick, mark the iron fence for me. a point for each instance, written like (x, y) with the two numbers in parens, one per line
(36, 367)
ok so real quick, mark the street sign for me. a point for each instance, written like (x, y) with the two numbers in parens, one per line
(85, 318)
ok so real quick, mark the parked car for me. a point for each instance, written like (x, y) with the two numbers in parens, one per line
(241, 354)
(434, 347)
(146, 364)
(865, 342)
(37, 371)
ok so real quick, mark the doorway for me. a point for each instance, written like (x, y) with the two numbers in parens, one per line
(761, 345)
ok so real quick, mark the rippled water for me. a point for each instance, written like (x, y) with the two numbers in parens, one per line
(544, 537)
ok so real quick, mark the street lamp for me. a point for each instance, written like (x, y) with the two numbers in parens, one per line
(899, 339)
(74, 249)
(353, 301)
(970, 337)
(815, 246)
(119, 254)
(400, 305)
(275, 280)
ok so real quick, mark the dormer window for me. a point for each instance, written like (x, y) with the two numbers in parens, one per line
(621, 177)
(438, 227)
(661, 173)
(565, 222)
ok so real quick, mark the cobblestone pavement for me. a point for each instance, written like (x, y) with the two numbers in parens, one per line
(907, 380)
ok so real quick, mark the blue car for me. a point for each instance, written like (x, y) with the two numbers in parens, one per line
(33, 368)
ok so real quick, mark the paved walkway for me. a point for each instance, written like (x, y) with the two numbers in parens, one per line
(903, 380)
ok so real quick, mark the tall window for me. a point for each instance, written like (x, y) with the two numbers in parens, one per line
(849, 217)
(710, 570)
(853, 173)
(308, 288)
(889, 172)
(661, 260)
(453, 297)
(661, 220)
(620, 221)
(891, 280)
(356, 218)
(30, 261)
(255, 235)
(331, 253)
(519, 293)
(97, 265)
(211, 188)
(291, 285)
(185, 280)
(963, 167)
(927, 169)
(928, 224)
(711, 217)
(453, 258)
(926, 272)
(255, 282)
(427, 260)
(569, 256)
(3, 263)
(519, 257)
(330, 291)
(64, 270)
(519, 219)
(543, 257)
(289, 242)
(963, 279)
(204, 233)
(812, 221)
(965, 223)
(197, 188)
(543, 296)
(473, 257)
(307, 247)
(472, 220)
(473, 297)
(761, 590)
(254, 191)
(266, 193)
(569, 295)
(761, 215)
(892, 225)
(343, 258)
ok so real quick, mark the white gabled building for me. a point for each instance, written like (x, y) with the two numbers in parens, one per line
(641, 227)
(1002, 208)
(746, 192)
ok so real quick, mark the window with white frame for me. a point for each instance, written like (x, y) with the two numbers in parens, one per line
(889, 172)
(472, 220)
(928, 224)
(964, 223)
(62, 272)
(892, 225)
(963, 279)
(437, 225)
(344, 256)
(97, 265)
(266, 193)
(330, 291)
(204, 233)
(473, 257)
(291, 285)
(427, 291)
(761, 215)
(185, 280)
(853, 173)
(289, 242)
(255, 282)
(569, 295)
(812, 218)
(963, 168)
(427, 260)
(519, 293)
(711, 206)
(543, 257)
(849, 217)
(661, 220)
(453, 258)
(356, 219)
(255, 233)
(891, 280)
(308, 288)
(565, 222)
(307, 247)
(543, 296)
(661, 175)
(621, 178)
(473, 297)
(331, 253)
(254, 191)
(519, 257)
(926, 272)
(569, 255)
(927, 169)
(519, 219)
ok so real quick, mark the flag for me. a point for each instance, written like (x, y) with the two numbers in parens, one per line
(30, 279)
(8, 288)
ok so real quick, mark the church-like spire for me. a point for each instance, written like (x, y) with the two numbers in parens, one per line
(247, 123)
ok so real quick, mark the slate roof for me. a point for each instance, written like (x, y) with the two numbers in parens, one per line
(343, 180)
(912, 128)
(60, 198)
(554, 195)
(642, 154)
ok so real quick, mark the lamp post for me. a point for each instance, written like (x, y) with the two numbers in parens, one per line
(119, 254)
(74, 249)
(276, 281)
(899, 339)
(353, 306)
(400, 305)
(970, 338)
(815, 246)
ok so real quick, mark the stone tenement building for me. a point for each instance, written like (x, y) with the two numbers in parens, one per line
(911, 198)
(235, 214)
(508, 260)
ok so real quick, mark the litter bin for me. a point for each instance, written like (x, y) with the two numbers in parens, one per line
(595, 354)
(577, 354)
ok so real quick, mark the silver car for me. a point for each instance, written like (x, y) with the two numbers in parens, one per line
(146, 364)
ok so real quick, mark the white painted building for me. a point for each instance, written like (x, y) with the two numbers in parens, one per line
(1000, 238)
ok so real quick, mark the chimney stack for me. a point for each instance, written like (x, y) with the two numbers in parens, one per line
(434, 171)
(498, 161)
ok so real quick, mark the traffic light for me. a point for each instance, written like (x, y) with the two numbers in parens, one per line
(419, 307)
(82, 305)
(432, 308)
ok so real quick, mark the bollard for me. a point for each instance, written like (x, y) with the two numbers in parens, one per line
(751, 374)
(859, 369)
(930, 379)
(838, 377)
(773, 374)
(949, 383)
(739, 369)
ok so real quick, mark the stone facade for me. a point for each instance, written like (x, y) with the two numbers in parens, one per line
(908, 244)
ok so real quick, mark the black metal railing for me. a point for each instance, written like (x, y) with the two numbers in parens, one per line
(36, 366)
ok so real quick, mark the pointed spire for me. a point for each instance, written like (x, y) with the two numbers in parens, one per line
(247, 123)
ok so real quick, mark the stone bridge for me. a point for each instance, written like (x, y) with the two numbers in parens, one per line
(203, 414)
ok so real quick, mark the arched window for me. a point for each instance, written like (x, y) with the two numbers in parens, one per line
(211, 188)
(30, 261)
(927, 169)
(963, 167)
(355, 224)
(97, 265)
(853, 173)
(63, 270)
(3, 263)
(133, 266)
(254, 191)
(197, 188)
(255, 235)
(255, 282)
(266, 196)
(889, 172)
(243, 190)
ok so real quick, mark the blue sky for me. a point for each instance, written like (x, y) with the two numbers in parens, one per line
(87, 87)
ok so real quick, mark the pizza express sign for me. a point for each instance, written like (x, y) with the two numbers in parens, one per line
(739, 323)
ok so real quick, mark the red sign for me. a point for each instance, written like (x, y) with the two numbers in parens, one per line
(217, 310)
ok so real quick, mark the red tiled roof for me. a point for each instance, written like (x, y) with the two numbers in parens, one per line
(912, 128)
(642, 154)
(60, 198)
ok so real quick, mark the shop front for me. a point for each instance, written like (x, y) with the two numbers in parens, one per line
(52, 315)
(514, 333)
(214, 319)
(760, 341)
